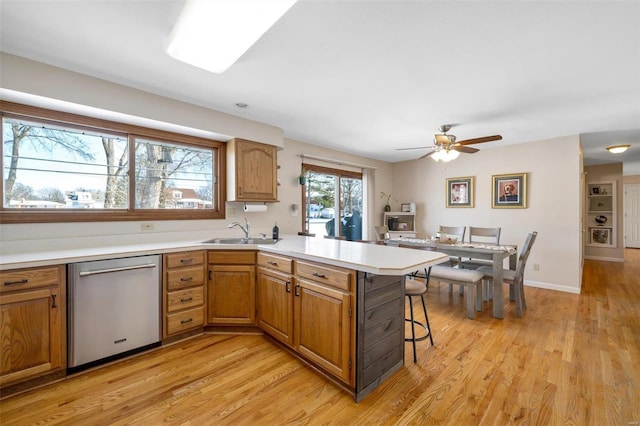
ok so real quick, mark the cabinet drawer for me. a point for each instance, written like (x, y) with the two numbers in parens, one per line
(185, 277)
(329, 275)
(232, 257)
(185, 320)
(25, 279)
(189, 258)
(278, 263)
(183, 299)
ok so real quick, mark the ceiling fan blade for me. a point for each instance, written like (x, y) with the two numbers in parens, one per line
(465, 149)
(418, 147)
(480, 140)
(427, 155)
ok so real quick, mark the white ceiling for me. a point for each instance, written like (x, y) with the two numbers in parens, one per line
(368, 77)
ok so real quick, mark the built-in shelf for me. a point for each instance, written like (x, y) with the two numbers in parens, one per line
(601, 214)
(400, 224)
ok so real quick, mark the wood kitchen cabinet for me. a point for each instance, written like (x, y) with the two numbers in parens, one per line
(274, 296)
(32, 323)
(183, 295)
(253, 171)
(323, 317)
(311, 311)
(231, 287)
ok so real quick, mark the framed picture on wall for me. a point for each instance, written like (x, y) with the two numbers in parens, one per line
(460, 192)
(509, 191)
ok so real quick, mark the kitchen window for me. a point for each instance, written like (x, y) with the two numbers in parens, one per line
(84, 169)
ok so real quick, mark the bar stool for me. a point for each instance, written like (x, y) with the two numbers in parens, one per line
(415, 288)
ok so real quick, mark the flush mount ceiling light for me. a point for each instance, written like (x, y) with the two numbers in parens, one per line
(617, 149)
(214, 34)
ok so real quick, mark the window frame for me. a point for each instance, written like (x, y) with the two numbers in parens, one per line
(27, 112)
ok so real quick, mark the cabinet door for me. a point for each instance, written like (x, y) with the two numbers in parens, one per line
(231, 294)
(274, 304)
(256, 171)
(32, 337)
(322, 319)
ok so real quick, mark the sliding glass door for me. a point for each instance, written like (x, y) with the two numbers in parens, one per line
(333, 202)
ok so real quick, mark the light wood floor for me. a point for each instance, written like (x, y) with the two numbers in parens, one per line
(573, 359)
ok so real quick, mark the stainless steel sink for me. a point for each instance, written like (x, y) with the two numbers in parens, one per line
(240, 241)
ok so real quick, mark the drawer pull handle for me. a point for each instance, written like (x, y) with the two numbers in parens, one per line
(287, 286)
(319, 275)
(186, 279)
(188, 299)
(186, 321)
(53, 296)
(271, 262)
(297, 290)
(190, 260)
(22, 281)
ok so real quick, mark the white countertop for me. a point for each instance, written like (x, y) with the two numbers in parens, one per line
(371, 258)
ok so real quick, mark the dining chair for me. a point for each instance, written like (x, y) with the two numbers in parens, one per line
(382, 232)
(515, 279)
(453, 231)
(481, 235)
(415, 288)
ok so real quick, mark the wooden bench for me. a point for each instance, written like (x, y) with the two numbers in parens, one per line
(462, 277)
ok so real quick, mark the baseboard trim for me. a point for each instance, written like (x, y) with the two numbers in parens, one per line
(606, 259)
(555, 287)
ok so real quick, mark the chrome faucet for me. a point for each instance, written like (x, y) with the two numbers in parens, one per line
(246, 228)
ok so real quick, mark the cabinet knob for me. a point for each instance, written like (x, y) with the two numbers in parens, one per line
(54, 304)
(319, 275)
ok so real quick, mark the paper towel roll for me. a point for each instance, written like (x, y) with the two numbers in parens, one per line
(250, 208)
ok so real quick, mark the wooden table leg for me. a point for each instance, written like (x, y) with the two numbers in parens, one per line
(498, 287)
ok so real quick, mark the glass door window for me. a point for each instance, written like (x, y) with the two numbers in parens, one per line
(333, 202)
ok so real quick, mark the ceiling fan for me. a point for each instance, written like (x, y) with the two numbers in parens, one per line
(446, 148)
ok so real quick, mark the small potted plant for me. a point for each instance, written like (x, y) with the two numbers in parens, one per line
(387, 201)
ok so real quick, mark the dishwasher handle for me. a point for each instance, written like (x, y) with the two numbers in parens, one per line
(124, 268)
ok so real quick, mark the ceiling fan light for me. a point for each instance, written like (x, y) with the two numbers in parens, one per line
(617, 149)
(444, 155)
(212, 35)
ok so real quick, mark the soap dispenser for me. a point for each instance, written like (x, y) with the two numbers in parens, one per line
(276, 232)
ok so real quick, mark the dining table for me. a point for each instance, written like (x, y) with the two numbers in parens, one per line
(493, 252)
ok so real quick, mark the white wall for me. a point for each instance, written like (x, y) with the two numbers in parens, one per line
(553, 168)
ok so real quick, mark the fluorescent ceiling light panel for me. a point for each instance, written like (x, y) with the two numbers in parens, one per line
(213, 34)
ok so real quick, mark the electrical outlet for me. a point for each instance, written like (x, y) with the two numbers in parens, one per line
(146, 226)
(536, 266)
(231, 212)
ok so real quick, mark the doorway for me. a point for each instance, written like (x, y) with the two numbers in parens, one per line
(631, 201)
(333, 201)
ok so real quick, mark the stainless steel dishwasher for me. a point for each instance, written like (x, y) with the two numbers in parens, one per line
(114, 308)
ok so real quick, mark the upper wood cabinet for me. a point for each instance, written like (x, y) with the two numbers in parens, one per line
(253, 171)
(32, 323)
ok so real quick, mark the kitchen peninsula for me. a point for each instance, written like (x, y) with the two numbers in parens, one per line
(337, 305)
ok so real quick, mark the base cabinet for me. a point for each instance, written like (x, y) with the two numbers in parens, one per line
(231, 288)
(274, 297)
(32, 323)
(311, 311)
(323, 327)
(183, 293)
